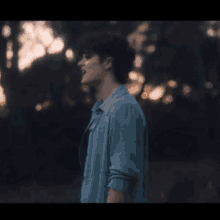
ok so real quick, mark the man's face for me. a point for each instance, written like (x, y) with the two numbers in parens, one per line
(91, 68)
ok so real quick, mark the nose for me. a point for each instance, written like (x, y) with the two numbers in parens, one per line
(82, 62)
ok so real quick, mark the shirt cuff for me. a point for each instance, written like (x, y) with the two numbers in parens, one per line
(118, 184)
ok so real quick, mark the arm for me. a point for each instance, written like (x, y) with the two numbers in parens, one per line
(115, 196)
(125, 151)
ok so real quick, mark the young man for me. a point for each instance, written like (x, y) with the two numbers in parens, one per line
(114, 164)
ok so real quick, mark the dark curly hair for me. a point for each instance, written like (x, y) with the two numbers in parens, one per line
(109, 44)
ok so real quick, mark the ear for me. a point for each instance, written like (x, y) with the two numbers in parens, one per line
(108, 62)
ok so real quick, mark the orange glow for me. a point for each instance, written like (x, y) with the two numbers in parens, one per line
(38, 107)
(186, 90)
(172, 83)
(215, 92)
(9, 45)
(208, 85)
(9, 64)
(210, 32)
(9, 54)
(70, 54)
(133, 75)
(144, 95)
(2, 97)
(85, 88)
(143, 27)
(88, 99)
(136, 40)
(167, 99)
(56, 46)
(70, 101)
(6, 31)
(138, 61)
(141, 78)
(157, 93)
(150, 49)
(44, 105)
(134, 88)
(147, 89)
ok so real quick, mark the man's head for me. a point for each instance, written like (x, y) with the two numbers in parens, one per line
(103, 52)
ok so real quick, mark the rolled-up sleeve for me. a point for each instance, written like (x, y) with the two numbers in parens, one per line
(126, 130)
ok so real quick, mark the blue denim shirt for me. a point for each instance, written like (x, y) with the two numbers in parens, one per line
(116, 149)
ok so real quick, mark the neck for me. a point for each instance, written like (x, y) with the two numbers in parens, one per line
(106, 87)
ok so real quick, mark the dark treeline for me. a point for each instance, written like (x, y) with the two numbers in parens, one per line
(181, 133)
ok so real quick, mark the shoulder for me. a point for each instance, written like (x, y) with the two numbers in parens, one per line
(125, 109)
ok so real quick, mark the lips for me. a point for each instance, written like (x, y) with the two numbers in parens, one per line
(83, 71)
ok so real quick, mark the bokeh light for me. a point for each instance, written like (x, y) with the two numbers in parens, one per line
(85, 88)
(150, 49)
(133, 75)
(134, 88)
(38, 107)
(141, 78)
(214, 92)
(35, 39)
(172, 83)
(70, 54)
(2, 96)
(157, 93)
(147, 89)
(88, 99)
(10, 45)
(208, 85)
(45, 36)
(69, 101)
(210, 32)
(136, 40)
(167, 99)
(43, 106)
(143, 27)
(9, 54)
(56, 46)
(186, 90)
(138, 61)
(39, 50)
(6, 31)
(8, 64)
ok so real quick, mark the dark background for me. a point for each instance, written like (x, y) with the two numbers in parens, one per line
(185, 130)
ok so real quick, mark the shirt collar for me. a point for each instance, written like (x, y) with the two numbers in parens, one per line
(121, 90)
